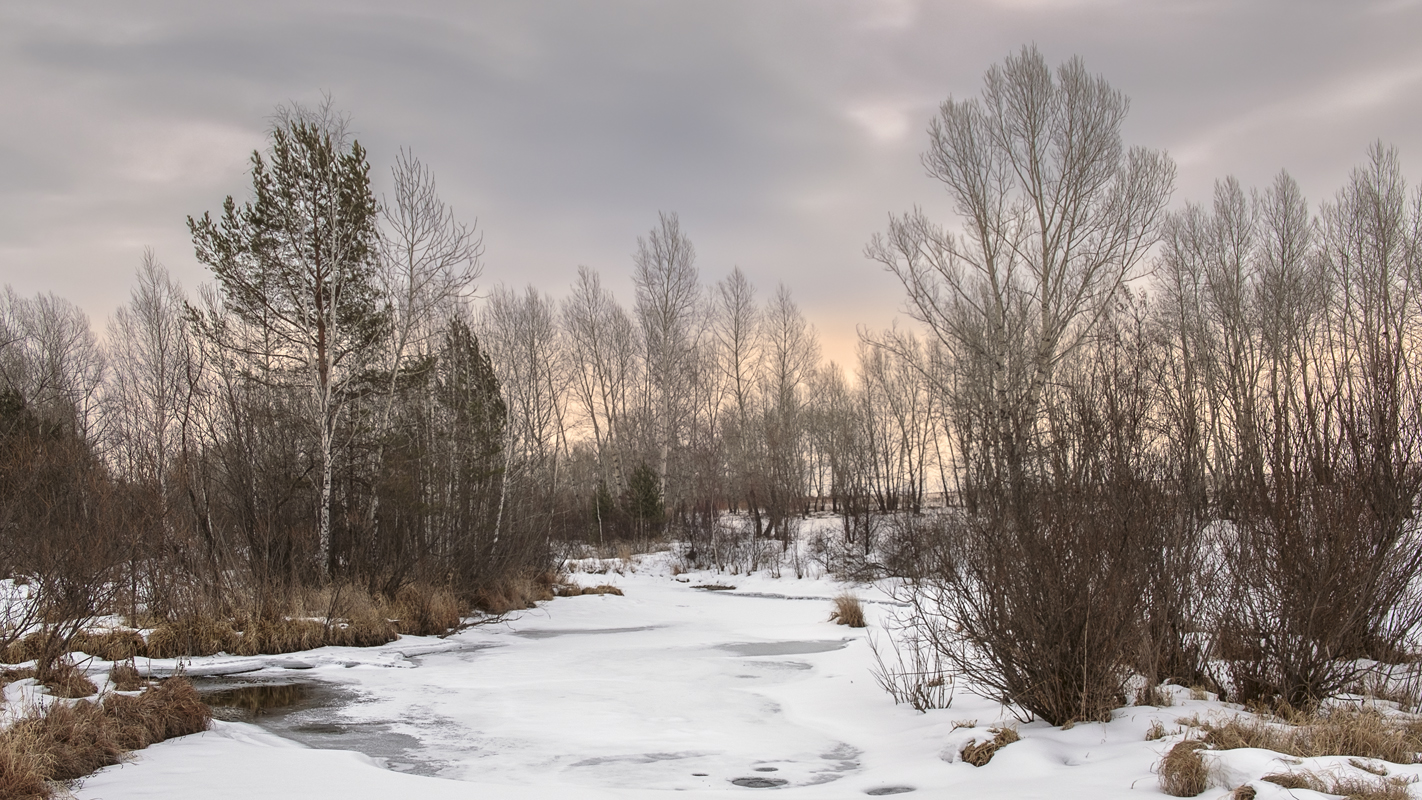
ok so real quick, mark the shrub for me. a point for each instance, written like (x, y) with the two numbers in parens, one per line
(1183, 772)
(1045, 594)
(848, 611)
(1325, 572)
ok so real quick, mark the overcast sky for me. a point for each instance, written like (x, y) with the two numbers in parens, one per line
(782, 133)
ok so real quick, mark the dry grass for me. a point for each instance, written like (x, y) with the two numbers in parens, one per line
(1156, 731)
(113, 645)
(1245, 792)
(69, 741)
(25, 649)
(1353, 787)
(62, 679)
(848, 611)
(125, 677)
(568, 588)
(1155, 696)
(515, 594)
(191, 636)
(22, 767)
(1339, 732)
(1183, 772)
(424, 610)
(980, 753)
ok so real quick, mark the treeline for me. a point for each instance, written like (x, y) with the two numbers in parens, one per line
(1188, 442)
(337, 409)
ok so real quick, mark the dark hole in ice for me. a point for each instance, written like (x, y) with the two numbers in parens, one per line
(328, 728)
(759, 783)
(257, 699)
(782, 648)
(699, 774)
(767, 769)
(883, 790)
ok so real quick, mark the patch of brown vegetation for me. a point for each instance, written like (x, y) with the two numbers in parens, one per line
(514, 594)
(848, 611)
(125, 677)
(1353, 787)
(62, 679)
(424, 610)
(68, 741)
(602, 588)
(113, 645)
(980, 753)
(1156, 731)
(1338, 732)
(28, 648)
(191, 636)
(1183, 772)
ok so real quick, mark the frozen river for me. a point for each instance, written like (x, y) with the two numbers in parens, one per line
(667, 691)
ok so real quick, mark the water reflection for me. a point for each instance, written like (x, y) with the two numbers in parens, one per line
(255, 699)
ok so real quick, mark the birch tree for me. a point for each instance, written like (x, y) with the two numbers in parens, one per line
(297, 266)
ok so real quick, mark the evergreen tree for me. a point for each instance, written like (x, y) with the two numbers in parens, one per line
(297, 269)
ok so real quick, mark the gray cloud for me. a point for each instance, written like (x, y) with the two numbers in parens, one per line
(783, 133)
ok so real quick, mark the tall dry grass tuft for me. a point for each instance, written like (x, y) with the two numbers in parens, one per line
(848, 611)
(22, 767)
(1183, 772)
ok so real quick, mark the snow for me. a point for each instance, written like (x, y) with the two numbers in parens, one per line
(668, 689)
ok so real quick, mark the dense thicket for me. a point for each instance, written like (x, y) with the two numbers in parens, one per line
(1215, 482)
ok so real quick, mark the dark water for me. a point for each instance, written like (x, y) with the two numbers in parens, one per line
(782, 648)
(309, 712)
(246, 702)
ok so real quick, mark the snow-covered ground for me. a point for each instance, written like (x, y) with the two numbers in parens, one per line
(667, 689)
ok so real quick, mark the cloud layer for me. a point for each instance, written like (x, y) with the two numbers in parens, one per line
(782, 133)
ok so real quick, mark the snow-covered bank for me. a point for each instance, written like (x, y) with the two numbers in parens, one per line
(669, 688)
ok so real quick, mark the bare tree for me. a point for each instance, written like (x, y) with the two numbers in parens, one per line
(603, 349)
(668, 313)
(525, 345)
(1057, 214)
(51, 357)
(151, 366)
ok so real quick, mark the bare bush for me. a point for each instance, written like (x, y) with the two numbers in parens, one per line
(916, 675)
